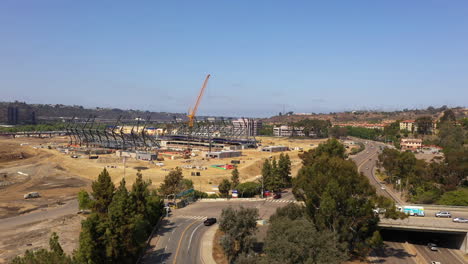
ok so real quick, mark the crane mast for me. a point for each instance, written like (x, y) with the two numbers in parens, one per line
(193, 111)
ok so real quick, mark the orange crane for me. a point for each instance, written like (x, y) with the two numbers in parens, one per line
(193, 111)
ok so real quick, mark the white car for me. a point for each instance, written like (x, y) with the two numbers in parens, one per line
(432, 246)
(382, 187)
(443, 214)
(460, 220)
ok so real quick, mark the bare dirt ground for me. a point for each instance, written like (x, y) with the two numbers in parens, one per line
(29, 165)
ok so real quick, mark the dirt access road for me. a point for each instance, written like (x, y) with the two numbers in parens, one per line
(27, 165)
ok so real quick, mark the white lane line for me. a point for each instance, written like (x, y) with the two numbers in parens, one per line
(191, 236)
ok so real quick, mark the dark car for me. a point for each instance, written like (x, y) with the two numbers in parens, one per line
(210, 221)
(277, 196)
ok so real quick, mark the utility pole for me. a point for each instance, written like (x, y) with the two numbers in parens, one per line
(124, 162)
(262, 187)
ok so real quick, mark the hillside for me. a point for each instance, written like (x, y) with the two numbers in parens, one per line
(368, 116)
(45, 112)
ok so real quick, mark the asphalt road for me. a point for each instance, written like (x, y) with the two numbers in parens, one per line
(395, 252)
(178, 240)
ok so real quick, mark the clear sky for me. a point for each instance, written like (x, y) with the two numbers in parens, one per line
(308, 56)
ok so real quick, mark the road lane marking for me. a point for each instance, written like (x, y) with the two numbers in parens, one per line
(191, 236)
(180, 242)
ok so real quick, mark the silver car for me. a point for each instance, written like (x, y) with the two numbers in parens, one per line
(460, 220)
(443, 214)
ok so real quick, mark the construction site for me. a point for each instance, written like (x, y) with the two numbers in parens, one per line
(41, 171)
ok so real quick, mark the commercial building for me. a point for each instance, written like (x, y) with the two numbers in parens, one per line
(411, 144)
(223, 154)
(275, 149)
(288, 131)
(247, 127)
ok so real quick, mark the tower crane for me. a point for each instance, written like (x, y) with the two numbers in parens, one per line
(193, 111)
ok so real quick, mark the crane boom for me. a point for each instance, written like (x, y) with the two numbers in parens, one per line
(193, 111)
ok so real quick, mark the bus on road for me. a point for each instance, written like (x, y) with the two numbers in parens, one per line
(412, 210)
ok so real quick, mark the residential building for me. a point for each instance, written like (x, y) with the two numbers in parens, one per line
(411, 144)
(408, 125)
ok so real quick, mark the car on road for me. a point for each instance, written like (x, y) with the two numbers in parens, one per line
(432, 246)
(367, 168)
(209, 221)
(460, 220)
(382, 187)
(277, 196)
(435, 262)
(443, 214)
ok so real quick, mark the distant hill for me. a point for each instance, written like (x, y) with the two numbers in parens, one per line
(367, 116)
(31, 113)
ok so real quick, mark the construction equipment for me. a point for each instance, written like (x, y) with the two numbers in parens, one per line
(193, 111)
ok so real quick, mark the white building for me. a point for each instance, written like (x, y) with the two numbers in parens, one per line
(287, 131)
(247, 126)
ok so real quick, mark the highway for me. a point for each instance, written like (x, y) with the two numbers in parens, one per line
(397, 250)
(179, 238)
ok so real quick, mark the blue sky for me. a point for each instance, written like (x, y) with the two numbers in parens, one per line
(307, 56)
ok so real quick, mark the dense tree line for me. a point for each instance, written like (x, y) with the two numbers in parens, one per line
(117, 227)
(276, 174)
(440, 180)
(336, 223)
(340, 199)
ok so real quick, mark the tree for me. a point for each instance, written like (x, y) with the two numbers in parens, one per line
(424, 125)
(121, 245)
(298, 241)
(449, 116)
(284, 170)
(323, 183)
(84, 201)
(42, 256)
(249, 189)
(172, 182)
(266, 174)
(55, 245)
(92, 249)
(224, 188)
(238, 227)
(332, 147)
(274, 182)
(140, 194)
(235, 178)
(103, 191)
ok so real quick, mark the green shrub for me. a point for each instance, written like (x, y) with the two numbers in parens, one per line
(248, 189)
(458, 197)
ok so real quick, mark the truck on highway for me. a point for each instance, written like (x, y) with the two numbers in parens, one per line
(412, 210)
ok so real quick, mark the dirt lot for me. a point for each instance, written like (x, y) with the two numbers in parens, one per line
(29, 165)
